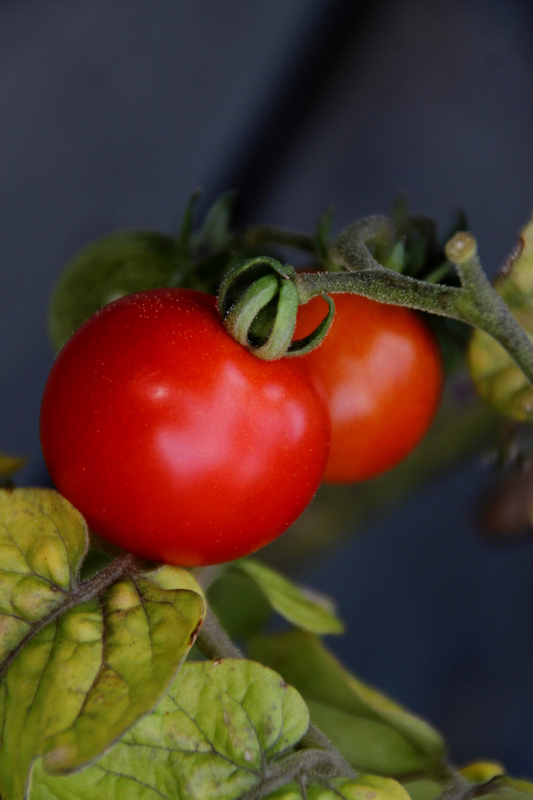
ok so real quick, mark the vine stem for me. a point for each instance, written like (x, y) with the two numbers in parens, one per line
(214, 643)
(474, 302)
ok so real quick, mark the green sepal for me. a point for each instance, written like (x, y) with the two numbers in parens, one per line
(243, 312)
(258, 302)
(323, 236)
(278, 342)
(215, 233)
(300, 347)
(184, 243)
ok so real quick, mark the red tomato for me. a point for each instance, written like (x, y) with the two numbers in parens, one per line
(381, 369)
(173, 440)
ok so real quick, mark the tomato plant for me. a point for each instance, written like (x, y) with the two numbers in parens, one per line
(381, 369)
(175, 442)
(184, 445)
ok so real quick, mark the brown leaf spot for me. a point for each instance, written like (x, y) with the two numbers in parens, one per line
(194, 634)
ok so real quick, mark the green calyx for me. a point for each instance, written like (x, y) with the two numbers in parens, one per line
(258, 301)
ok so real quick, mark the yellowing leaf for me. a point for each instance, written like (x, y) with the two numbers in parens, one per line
(497, 378)
(482, 771)
(80, 663)
(213, 735)
(43, 540)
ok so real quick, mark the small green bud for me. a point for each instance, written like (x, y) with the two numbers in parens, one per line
(461, 248)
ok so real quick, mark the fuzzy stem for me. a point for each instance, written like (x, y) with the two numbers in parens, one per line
(475, 302)
(213, 641)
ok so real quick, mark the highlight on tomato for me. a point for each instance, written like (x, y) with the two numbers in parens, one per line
(174, 441)
(381, 369)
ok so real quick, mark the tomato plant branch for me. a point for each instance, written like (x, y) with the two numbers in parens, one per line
(213, 641)
(475, 302)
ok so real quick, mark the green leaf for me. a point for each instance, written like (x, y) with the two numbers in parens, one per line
(215, 234)
(109, 268)
(214, 734)
(80, 662)
(306, 610)
(372, 732)
(365, 787)
(499, 381)
(10, 464)
(239, 605)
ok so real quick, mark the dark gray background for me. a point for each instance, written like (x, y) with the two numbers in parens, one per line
(113, 111)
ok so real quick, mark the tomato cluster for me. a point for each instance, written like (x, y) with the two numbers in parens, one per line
(180, 446)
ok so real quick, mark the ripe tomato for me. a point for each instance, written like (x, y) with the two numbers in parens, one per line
(175, 442)
(381, 369)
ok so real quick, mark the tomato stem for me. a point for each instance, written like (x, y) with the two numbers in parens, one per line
(353, 268)
(475, 302)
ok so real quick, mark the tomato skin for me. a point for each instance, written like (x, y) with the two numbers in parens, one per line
(381, 369)
(173, 440)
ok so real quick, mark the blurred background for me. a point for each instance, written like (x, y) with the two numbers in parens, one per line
(113, 111)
